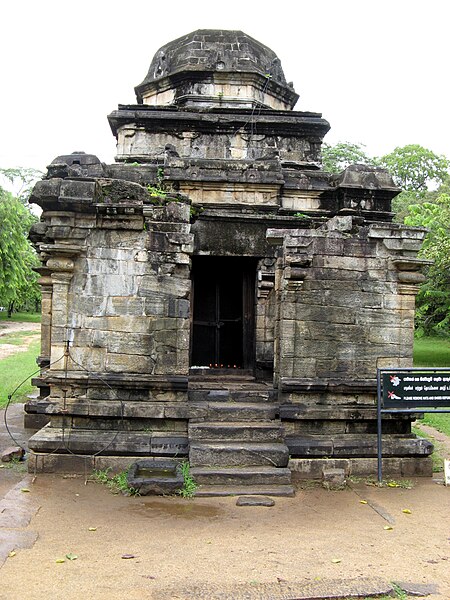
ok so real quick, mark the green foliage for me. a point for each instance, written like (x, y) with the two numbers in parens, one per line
(189, 485)
(118, 484)
(18, 282)
(16, 464)
(22, 180)
(13, 370)
(433, 300)
(300, 215)
(157, 191)
(338, 157)
(415, 168)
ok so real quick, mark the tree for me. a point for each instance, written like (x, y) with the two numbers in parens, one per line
(22, 179)
(433, 300)
(415, 168)
(17, 257)
(339, 157)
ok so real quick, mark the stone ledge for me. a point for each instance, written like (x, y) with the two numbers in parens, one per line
(312, 468)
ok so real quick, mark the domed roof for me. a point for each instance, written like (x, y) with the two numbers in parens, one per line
(212, 50)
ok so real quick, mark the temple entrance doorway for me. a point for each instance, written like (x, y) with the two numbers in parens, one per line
(223, 293)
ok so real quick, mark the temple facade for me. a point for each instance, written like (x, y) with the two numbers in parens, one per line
(214, 295)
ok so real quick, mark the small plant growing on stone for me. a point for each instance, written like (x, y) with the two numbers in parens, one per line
(116, 483)
(157, 190)
(15, 463)
(189, 485)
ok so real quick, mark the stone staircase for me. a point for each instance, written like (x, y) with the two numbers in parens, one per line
(236, 443)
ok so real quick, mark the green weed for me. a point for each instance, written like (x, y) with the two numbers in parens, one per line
(117, 484)
(397, 593)
(16, 464)
(189, 485)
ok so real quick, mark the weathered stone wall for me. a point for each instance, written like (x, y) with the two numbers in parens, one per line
(117, 282)
(138, 142)
(346, 297)
(265, 316)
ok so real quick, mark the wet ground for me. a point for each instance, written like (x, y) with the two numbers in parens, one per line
(134, 547)
(315, 545)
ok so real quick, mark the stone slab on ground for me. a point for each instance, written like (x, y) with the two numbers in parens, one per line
(255, 501)
(283, 590)
(12, 453)
(418, 589)
(17, 508)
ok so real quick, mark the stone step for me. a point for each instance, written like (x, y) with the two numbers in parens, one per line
(239, 454)
(240, 411)
(230, 395)
(241, 475)
(245, 490)
(93, 441)
(254, 431)
(350, 445)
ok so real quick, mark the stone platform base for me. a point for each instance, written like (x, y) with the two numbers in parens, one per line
(84, 465)
(312, 468)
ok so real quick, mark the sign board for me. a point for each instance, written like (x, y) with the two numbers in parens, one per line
(416, 388)
(447, 471)
(410, 391)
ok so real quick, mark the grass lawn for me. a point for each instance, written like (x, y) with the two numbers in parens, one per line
(21, 317)
(432, 352)
(13, 370)
(17, 338)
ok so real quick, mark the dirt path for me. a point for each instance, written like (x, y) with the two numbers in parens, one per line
(443, 440)
(9, 327)
(212, 549)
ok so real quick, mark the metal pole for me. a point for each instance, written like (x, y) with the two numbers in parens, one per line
(379, 450)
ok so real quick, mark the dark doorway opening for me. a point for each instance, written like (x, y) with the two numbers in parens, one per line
(223, 314)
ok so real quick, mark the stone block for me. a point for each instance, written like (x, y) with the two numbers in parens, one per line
(59, 463)
(238, 454)
(312, 468)
(12, 453)
(333, 479)
(129, 363)
(125, 305)
(255, 501)
(152, 477)
(169, 445)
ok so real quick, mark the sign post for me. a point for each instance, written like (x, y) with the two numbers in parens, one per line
(410, 391)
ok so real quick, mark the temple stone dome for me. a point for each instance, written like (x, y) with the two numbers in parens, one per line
(216, 67)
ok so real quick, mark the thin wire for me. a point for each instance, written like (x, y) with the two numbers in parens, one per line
(122, 416)
(10, 397)
(64, 444)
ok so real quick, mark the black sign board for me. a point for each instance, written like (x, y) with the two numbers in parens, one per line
(410, 391)
(415, 388)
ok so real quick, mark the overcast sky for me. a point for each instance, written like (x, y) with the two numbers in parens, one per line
(378, 71)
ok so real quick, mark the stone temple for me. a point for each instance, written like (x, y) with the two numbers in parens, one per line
(216, 296)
